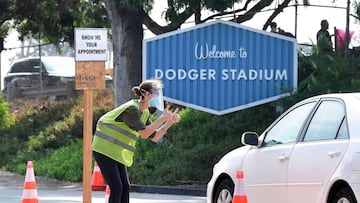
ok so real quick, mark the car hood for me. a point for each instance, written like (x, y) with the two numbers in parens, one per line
(62, 74)
(231, 162)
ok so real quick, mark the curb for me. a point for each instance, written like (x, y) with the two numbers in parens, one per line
(169, 190)
(13, 180)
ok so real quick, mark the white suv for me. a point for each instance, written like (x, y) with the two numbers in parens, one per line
(310, 154)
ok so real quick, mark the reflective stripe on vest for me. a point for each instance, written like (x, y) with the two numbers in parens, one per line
(116, 141)
(119, 130)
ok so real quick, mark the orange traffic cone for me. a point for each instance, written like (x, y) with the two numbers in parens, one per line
(30, 192)
(239, 191)
(107, 194)
(97, 179)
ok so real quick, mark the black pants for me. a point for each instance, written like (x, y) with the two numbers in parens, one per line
(115, 175)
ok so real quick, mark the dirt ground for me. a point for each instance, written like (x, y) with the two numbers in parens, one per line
(12, 180)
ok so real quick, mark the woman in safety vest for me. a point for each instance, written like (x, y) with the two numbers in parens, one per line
(118, 130)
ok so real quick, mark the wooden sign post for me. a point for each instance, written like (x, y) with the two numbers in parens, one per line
(90, 57)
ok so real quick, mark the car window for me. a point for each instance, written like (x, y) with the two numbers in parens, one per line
(327, 122)
(288, 128)
(25, 67)
(343, 131)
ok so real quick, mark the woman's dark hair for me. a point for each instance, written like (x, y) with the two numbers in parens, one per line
(146, 86)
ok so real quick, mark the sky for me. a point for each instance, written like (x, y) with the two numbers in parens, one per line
(308, 19)
(308, 24)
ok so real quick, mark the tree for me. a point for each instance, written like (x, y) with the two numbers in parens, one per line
(127, 18)
(6, 13)
(55, 20)
(127, 34)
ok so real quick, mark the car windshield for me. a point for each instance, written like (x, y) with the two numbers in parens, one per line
(56, 65)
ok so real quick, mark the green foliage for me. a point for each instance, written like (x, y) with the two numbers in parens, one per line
(329, 74)
(218, 5)
(356, 6)
(323, 73)
(39, 131)
(200, 139)
(175, 7)
(64, 163)
(6, 12)
(7, 143)
(136, 4)
(191, 148)
(55, 20)
(6, 120)
(50, 135)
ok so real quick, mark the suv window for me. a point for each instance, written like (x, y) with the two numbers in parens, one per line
(288, 128)
(25, 67)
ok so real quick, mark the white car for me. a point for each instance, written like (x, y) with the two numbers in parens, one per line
(310, 154)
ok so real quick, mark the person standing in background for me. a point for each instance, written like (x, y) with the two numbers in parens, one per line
(273, 27)
(323, 37)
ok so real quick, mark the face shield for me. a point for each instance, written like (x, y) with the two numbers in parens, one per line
(157, 100)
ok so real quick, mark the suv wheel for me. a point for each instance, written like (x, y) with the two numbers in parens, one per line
(224, 192)
(12, 91)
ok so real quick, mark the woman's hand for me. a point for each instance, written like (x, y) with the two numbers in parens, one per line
(175, 117)
(167, 115)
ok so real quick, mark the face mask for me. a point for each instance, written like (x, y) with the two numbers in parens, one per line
(157, 100)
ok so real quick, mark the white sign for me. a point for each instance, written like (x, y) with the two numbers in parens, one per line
(90, 44)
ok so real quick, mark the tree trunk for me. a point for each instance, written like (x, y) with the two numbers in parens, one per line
(127, 36)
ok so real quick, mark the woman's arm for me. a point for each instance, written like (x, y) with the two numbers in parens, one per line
(149, 130)
(163, 129)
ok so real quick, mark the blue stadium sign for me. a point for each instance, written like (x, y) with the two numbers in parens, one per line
(221, 67)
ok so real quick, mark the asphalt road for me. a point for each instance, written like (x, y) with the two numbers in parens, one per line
(55, 191)
(75, 196)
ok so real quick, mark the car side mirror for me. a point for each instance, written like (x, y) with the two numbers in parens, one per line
(250, 138)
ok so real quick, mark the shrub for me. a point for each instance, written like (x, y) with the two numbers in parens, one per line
(6, 120)
(50, 134)
(39, 130)
(191, 148)
(64, 163)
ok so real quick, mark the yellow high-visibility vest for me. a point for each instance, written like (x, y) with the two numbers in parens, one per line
(116, 139)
